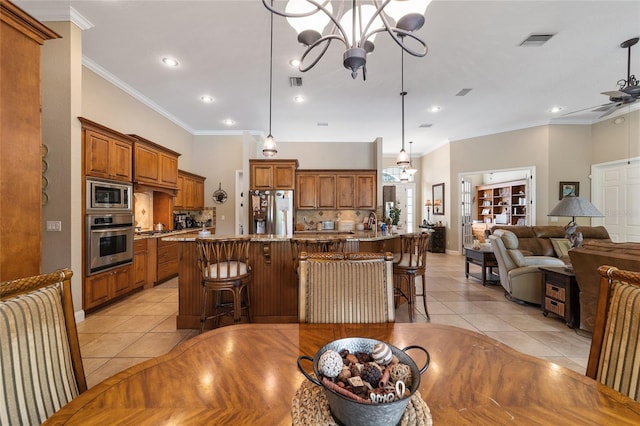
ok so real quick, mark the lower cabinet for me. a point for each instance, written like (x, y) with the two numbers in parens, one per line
(140, 262)
(437, 240)
(101, 288)
(168, 259)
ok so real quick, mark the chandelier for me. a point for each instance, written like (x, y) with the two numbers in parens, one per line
(356, 27)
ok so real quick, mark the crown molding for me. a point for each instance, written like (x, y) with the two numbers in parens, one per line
(58, 13)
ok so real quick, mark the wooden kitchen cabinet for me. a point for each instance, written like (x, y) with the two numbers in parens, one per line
(154, 164)
(272, 174)
(168, 259)
(306, 189)
(326, 191)
(346, 190)
(21, 37)
(336, 189)
(366, 190)
(140, 262)
(107, 153)
(190, 194)
(101, 288)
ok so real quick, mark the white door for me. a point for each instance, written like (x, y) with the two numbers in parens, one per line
(405, 197)
(465, 212)
(615, 191)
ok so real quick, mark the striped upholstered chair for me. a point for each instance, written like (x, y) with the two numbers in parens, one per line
(40, 359)
(613, 359)
(346, 288)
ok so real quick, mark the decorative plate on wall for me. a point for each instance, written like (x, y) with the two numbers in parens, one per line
(220, 195)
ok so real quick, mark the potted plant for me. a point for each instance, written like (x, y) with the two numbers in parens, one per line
(394, 216)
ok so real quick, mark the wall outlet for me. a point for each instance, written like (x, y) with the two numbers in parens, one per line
(222, 217)
(54, 226)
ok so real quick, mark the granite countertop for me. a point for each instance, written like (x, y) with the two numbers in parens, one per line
(351, 236)
(170, 233)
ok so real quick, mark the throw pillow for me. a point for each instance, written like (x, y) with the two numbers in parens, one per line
(561, 246)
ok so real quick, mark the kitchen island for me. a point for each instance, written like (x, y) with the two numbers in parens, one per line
(274, 286)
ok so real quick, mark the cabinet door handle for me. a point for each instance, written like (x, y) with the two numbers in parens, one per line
(553, 302)
(555, 288)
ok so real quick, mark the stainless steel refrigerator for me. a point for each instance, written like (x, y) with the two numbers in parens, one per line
(271, 212)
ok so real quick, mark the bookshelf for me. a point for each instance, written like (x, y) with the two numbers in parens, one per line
(503, 203)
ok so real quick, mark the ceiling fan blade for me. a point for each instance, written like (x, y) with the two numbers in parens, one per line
(610, 110)
(615, 94)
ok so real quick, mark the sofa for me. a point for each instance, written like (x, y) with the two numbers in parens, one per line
(586, 260)
(520, 275)
(550, 240)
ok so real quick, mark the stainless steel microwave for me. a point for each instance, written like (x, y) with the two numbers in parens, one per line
(108, 195)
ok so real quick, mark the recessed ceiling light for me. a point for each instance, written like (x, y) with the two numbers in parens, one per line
(435, 108)
(228, 122)
(170, 62)
(299, 98)
(294, 63)
(555, 109)
(206, 99)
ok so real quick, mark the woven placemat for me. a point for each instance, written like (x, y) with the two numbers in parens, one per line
(310, 407)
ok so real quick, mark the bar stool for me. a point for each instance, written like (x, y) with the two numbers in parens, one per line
(408, 264)
(316, 245)
(224, 267)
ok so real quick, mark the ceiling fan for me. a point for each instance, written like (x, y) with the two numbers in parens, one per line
(628, 89)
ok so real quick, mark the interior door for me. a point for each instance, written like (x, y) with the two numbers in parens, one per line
(615, 192)
(466, 204)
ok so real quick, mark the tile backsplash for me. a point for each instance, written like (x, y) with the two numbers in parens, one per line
(310, 218)
(143, 202)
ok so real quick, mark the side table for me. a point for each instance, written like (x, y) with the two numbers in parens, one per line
(484, 258)
(437, 240)
(560, 294)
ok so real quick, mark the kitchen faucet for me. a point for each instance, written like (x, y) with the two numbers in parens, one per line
(375, 223)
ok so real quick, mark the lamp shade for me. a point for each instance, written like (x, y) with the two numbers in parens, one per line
(572, 206)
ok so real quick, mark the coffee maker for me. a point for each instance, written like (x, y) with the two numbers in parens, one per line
(179, 221)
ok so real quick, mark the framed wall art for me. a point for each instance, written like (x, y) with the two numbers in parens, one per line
(437, 192)
(569, 189)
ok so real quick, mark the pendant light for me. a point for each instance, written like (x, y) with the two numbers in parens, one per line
(269, 148)
(403, 158)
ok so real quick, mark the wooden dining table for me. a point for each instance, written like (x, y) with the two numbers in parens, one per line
(247, 374)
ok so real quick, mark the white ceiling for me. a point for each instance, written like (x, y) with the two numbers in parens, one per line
(223, 48)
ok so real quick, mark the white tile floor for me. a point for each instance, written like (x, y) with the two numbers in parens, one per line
(142, 326)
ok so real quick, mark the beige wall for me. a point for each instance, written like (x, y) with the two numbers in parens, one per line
(106, 104)
(61, 104)
(616, 141)
(333, 155)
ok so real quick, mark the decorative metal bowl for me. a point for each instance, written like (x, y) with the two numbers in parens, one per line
(353, 413)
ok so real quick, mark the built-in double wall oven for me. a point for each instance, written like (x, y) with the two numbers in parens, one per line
(109, 225)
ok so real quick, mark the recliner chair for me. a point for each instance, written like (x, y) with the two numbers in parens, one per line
(519, 275)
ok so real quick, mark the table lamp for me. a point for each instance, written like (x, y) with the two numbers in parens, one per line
(428, 204)
(436, 206)
(572, 206)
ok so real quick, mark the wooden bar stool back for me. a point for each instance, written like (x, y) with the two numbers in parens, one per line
(315, 245)
(409, 264)
(224, 268)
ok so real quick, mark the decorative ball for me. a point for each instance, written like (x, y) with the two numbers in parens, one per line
(330, 364)
(382, 353)
(371, 373)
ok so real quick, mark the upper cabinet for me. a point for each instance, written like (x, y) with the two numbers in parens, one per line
(107, 153)
(336, 189)
(272, 174)
(190, 194)
(154, 164)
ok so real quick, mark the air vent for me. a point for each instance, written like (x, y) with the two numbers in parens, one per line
(463, 92)
(425, 125)
(322, 124)
(295, 81)
(536, 40)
